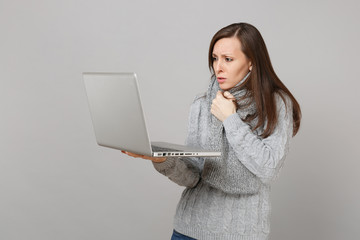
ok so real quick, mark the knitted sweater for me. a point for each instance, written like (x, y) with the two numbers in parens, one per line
(222, 211)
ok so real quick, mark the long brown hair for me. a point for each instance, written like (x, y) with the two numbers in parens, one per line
(263, 82)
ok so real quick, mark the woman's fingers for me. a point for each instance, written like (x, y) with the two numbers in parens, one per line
(229, 96)
(133, 154)
(157, 159)
(223, 105)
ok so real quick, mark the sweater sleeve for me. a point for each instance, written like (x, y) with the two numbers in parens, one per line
(185, 171)
(263, 157)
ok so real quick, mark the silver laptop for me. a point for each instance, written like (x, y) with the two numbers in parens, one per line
(118, 118)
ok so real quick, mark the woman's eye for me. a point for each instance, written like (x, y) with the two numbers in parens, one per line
(228, 59)
(214, 58)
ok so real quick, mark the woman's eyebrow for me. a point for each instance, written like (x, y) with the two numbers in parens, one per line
(223, 55)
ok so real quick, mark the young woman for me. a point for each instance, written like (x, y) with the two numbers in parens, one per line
(250, 116)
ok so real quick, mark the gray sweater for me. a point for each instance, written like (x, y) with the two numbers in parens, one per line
(215, 207)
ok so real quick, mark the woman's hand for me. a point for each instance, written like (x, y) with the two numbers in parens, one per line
(154, 159)
(223, 105)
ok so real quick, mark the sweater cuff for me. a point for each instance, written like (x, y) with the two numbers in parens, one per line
(168, 163)
(233, 122)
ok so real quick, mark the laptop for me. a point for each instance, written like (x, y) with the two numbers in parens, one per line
(118, 117)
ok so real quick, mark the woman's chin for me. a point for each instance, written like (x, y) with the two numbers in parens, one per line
(224, 87)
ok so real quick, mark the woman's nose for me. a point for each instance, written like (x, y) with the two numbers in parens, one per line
(218, 66)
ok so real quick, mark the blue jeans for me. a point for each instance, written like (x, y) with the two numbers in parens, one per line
(178, 236)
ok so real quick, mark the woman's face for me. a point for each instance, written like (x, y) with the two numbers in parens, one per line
(229, 62)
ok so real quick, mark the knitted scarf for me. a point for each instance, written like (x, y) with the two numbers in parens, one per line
(228, 170)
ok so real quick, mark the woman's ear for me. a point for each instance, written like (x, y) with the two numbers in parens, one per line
(250, 66)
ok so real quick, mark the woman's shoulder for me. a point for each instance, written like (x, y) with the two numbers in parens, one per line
(200, 96)
(198, 103)
(199, 99)
(283, 101)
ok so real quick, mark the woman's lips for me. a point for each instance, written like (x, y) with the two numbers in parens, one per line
(221, 80)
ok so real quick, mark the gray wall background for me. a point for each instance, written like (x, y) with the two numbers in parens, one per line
(56, 183)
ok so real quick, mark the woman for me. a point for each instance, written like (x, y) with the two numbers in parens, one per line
(250, 116)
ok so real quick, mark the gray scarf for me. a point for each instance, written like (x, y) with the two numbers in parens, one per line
(227, 170)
